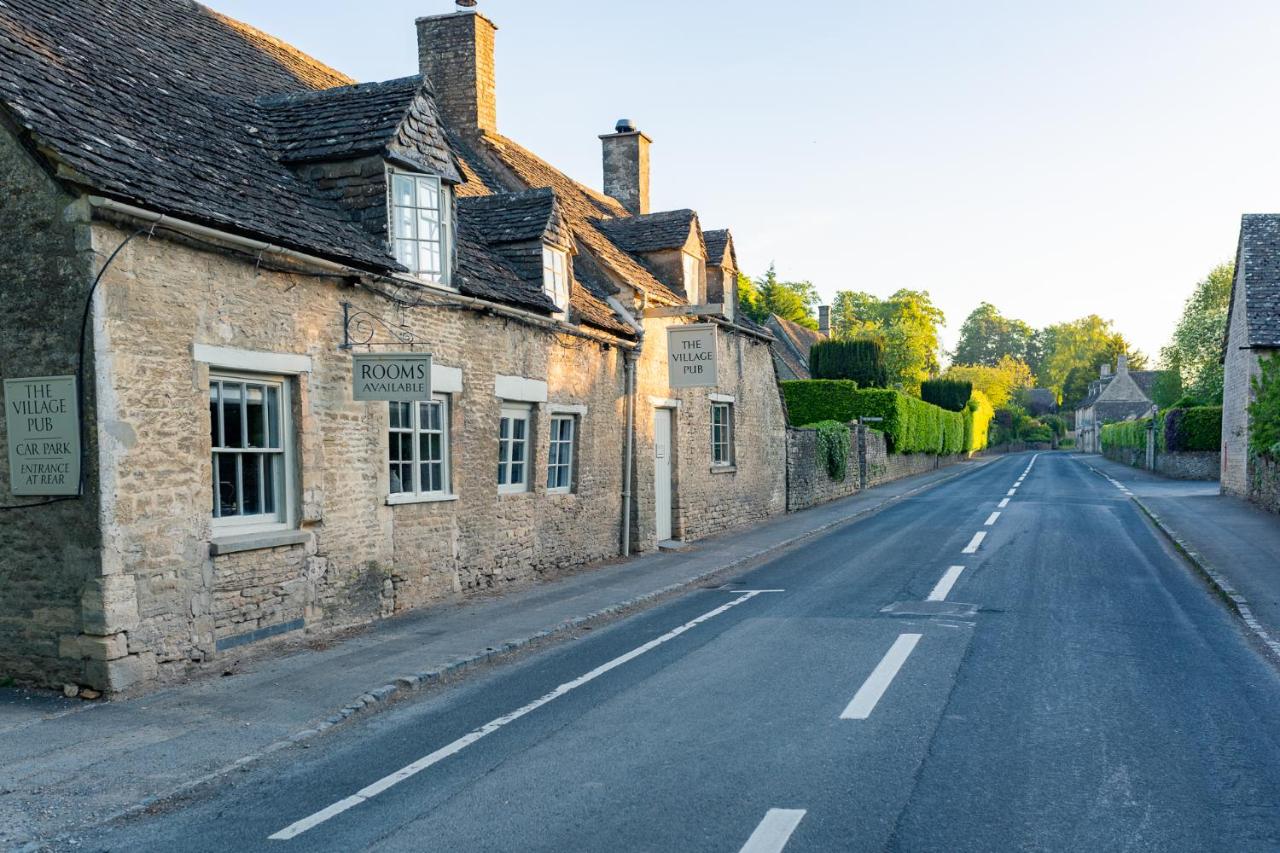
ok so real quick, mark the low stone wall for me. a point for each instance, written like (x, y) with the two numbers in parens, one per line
(869, 464)
(1264, 485)
(1185, 465)
(808, 481)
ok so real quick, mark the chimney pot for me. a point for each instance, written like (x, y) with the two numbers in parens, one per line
(626, 166)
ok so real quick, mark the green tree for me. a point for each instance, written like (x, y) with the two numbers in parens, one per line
(999, 383)
(1089, 342)
(906, 324)
(1195, 350)
(1076, 386)
(986, 336)
(793, 300)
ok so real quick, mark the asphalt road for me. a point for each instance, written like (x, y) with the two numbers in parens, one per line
(1075, 688)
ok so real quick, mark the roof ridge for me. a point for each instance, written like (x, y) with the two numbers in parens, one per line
(265, 38)
(277, 99)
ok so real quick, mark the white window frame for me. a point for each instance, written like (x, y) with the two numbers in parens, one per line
(514, 413)
(555, 276)
(567, 447)
(722, 450)
(284, 493)
(443, 197)
(694, 279)
(415, 431)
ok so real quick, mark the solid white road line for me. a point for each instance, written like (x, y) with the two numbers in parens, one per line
(943, 587)
(772, 833)
(864, 701)
(972, 547)
(991, 519)
(1004, 503)
(310, 822)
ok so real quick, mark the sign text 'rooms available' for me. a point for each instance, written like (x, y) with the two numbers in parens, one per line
(42, 419)
(392, 376)
(691, 356)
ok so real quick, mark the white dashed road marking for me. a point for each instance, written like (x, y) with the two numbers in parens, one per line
(991, 519)
(1004, 503)
(774, 831)
(864, 701)
(943, 587)
(972, 547)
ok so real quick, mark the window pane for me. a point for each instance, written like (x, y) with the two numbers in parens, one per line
(428, 193)
(518, 427)
(502, 473)
(256, 415)
(251, 465)
(517, 449)
(428, 258)
(272, 461)
(232, 426)
(406, 253)
(225, 473)
(399, 480)
(504, 428)
(403, 190)
(405, 223)
(517, 473)
(273, 417)
(215, 440)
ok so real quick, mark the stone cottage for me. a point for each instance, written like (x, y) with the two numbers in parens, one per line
(1253, 332)
(792, 343)
(1122, 395)
(205, 225)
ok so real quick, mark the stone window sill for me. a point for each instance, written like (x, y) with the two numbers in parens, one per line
(724, 469)
(221, 545)
(398, 500)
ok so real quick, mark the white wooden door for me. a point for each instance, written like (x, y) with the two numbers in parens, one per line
(662, 472)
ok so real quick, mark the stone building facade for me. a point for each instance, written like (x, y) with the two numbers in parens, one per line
(235, 241)
(1253, 333)
(1122, 395)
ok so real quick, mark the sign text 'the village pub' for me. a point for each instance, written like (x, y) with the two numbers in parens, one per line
(42, 421)
(391, 376)
(691, 356)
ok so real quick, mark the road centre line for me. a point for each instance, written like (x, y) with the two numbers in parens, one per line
(774, 831)
(943, 587)
(864, 701)
(972, 547)
(295, 829)
(1012, 492)
(991, 519)
(1004, 503)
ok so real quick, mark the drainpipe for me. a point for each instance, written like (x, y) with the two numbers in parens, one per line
(630, 357)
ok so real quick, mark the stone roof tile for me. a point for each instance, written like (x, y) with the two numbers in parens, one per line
(1258, 263)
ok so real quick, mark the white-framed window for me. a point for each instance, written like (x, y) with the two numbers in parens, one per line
(555, 276)
(420, 224)
(418, 448)
(564, 430)
(693, 288)
(721, 433)
(250, 433)
(513, 447)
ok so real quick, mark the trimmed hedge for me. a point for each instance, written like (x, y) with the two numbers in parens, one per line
(909, 424)
(1131, 434)
(1196, 428)
(950, 394)
(977, 422)
(860, 360)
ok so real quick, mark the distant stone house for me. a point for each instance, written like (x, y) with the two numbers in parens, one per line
(1122, 395)
(234, 219)
(1253, 332)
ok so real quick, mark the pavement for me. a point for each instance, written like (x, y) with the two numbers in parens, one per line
(1013, 659)
(1235, 545)
(56, 753)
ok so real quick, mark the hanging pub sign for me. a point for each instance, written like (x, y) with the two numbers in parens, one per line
(691, 356)
(391, 376)
(42, 421)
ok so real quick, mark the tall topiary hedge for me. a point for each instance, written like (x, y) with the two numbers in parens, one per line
(950, 394)
(909, 424)
(813, 400)
(861, 361)
(1264, 411)
(977, 422)
(1130, 434)
(1195, 428)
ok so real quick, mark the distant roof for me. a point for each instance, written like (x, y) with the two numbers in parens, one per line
(791, 346)
(1258, 267)
(651, 232)
(1144, 379)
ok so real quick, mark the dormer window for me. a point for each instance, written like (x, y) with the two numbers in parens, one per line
(420, 219)
(693, 281)
(555, 277)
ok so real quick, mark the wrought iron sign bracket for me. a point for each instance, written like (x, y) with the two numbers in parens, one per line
(363, 329)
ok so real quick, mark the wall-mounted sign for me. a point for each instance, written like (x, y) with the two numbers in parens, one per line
(691, 356)
(42, 419)
(395, 376)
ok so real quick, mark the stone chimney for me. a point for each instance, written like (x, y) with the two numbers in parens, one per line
(824, 319)
(455, 52)
(1122, 365)
(626, 167)
(1106, 371)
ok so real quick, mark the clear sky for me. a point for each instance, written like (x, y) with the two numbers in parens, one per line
(1055, 159)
